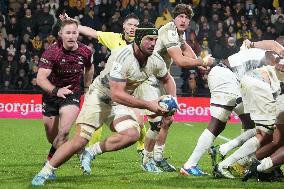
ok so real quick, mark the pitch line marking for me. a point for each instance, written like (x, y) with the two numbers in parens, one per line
(187, 124)
(224, 138)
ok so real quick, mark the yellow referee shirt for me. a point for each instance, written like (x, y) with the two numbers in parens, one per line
(111, 40)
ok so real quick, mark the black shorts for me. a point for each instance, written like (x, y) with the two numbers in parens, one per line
(52, 104)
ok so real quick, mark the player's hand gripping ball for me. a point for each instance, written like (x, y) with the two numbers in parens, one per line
(169, 103)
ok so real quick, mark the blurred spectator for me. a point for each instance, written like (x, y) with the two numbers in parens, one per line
(11, 63)
(279, 25)
(11, 49)
(100, 59)
(33, 87)
(205, 50)
(163, 19)
(231, 47)
(23, 64)
(91, 20)
(23, 51)
(104, 11)
(3, 30)
(34, 62)
(217, 44)
(277, 13)
(44, 22)
(116, 22)
(7, 75)
(2, 42)
(13, 27)
(23, 78)
(37, 44)
(27, 23)
(7, 87)
(78, 9)
(193, 43)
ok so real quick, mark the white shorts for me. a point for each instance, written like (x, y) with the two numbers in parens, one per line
(258, 100)
(224, 86)
(95, 112)
(280, 109)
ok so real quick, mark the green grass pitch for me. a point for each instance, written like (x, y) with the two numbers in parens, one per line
(24, 148)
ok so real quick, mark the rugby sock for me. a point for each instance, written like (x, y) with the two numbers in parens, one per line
(47, 169)
(147, 156)
(158, 152)
(203, 144)
(238, 141)
(140, 142)
(96, 136)
(51, 152)
(95, 149)
(266, 164)
(246, 149)
(245, 160)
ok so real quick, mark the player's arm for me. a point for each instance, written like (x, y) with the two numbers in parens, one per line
(187, 51)
(267, 45)
(181, 60)
(169, 84)
(88, 76)
(42, 80)
(119, 95)
(87, 31)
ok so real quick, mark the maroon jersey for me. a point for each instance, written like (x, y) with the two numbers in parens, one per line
(67, 66)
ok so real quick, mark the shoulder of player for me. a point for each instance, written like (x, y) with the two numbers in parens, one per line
(85, 49)
(113, 34)
(125, 53)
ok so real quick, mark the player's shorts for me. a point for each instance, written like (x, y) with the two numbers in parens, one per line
(258, 100)
(52, 104)
(149, 90)
(280, 109)
(224, 86)
(96, 111)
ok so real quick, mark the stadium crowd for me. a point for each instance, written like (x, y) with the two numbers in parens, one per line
(217, 28)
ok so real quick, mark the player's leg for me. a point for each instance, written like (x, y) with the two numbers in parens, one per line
(150, 140)
(128, 132)
(96, 136)
(224, 90)
(206, 139)
(126, 123)
(64, 153)
(67, 116)
(259, 101)
(278, 134)
(159, 147)
(50, 111)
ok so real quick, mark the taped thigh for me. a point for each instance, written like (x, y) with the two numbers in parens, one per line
(220, 113)
(126, 124)
(87, 131)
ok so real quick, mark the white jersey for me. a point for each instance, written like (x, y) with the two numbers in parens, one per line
(122, 66)
(246, 60)
(275, 77)
(168, 37)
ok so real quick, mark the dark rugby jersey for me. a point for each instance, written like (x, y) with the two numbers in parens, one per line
(67, 66)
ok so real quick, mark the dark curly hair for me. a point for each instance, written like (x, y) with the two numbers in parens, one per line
(183, 9)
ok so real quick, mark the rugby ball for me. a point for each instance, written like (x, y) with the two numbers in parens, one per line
(169, 103)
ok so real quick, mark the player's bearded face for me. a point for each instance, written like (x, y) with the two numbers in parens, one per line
(69, 35)
(148, 43)
(182, 22)
(130, 26)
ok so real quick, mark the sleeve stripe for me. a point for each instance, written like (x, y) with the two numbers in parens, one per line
(117, 79)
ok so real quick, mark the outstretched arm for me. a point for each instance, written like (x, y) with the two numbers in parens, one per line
(267, 45)
(85, 30)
